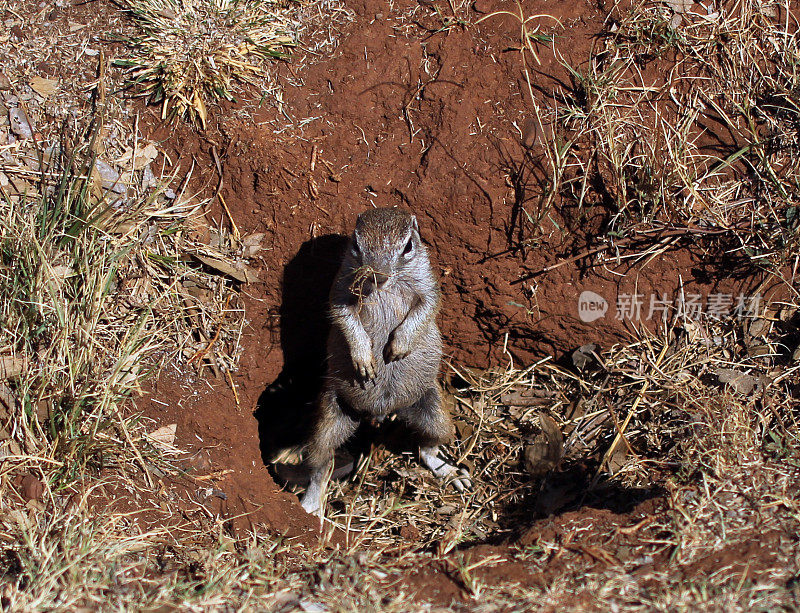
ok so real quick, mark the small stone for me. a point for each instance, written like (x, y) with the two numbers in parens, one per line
(109, 177)
(20, 125)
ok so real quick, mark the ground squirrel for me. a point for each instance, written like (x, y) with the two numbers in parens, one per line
(384, 347)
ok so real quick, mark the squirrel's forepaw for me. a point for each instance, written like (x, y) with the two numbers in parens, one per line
(365, 366)
(396, 349)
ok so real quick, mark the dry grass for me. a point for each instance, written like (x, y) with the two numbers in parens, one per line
(648, 420)
(94, 289)
(684, 119)
(191, 54)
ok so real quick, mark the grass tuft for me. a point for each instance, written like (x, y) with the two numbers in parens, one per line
(191, 54)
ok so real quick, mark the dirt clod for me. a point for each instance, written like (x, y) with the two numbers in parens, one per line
(31, 488)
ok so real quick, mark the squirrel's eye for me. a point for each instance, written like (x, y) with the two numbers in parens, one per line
(409, 246)
(354, 248)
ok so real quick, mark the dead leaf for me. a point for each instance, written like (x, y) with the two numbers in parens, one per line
(529, 132)
(739, 382)
(44, 87)
(14, 448)
(62, 271)
(164, 437)
(7, 399)
(42, 410)
(200, 462)
(617, 459)
(544, 451)
(32, 488)
(759, 350)
(144, 156)
(583, 355)
(464, 430)
(680, 6)
(252, 244)
(200, 107)
(759, 327)
(240, 271)
(527, 398)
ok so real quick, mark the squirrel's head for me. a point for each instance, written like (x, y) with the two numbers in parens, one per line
(385, 243)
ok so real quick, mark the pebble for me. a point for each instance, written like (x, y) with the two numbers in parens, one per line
(19, 123)
(148, 178)
(109, 177)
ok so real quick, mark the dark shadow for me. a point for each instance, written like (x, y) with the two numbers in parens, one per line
(567, 489)
(286, 408)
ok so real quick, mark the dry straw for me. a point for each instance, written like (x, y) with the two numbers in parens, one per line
(191, 53)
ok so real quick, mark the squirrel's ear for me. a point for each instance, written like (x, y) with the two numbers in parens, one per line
(414, 223)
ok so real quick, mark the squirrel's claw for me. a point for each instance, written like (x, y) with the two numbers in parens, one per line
(462, 480)
(365, 368)
(459, 477)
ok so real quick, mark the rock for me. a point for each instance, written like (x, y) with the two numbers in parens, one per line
(20, 125)
(109, 178)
